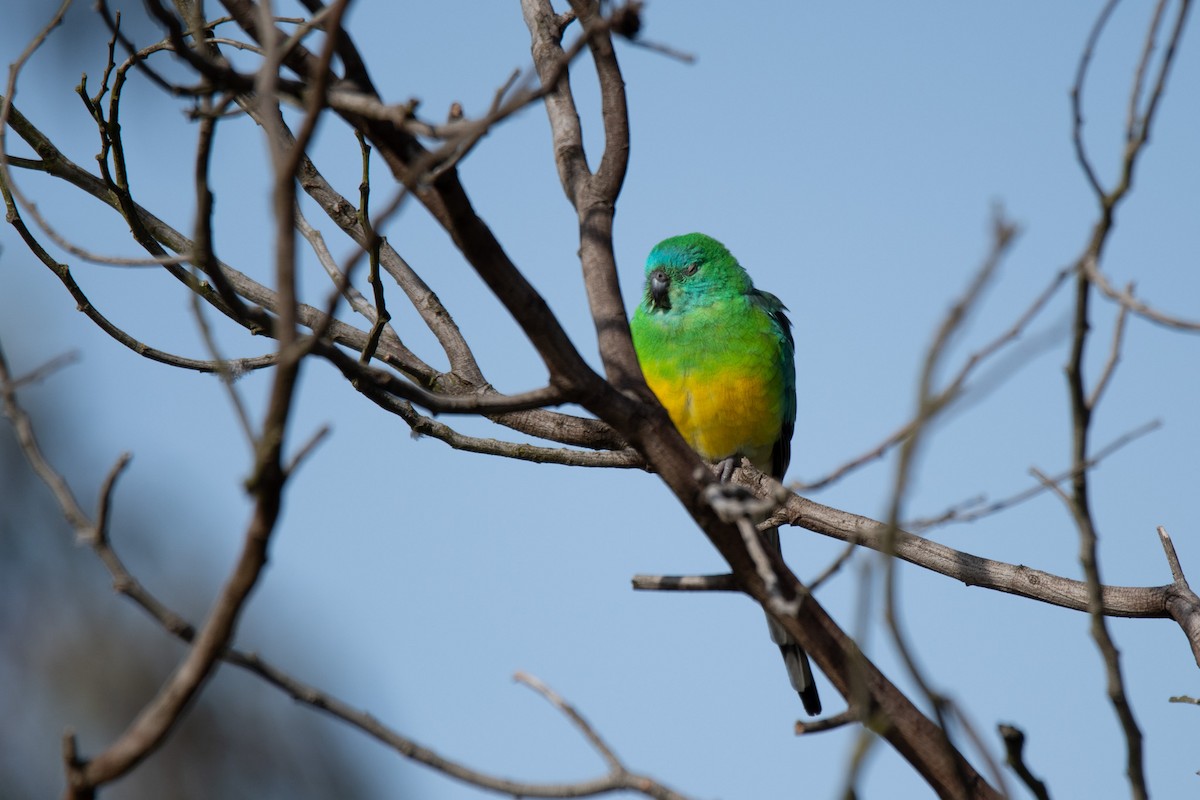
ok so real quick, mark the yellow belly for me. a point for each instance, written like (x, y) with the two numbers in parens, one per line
(723, 412)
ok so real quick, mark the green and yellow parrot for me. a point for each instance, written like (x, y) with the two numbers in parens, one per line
(719, 355)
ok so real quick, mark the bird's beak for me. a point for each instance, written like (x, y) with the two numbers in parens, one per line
(660, 289)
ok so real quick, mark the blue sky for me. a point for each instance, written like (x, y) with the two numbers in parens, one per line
(850, 155)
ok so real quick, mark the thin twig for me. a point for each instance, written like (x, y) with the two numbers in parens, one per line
(1172, 557)
(39, 374)
(589, 733)
(970, 511)
(822, 724)
(930, 404)
(95, 535)
(1014, 746)
(1082, 401)
(1085, 60)
(1182, 603)
(953, 387)
(1114, 355)
(28, 442)
(100, 529)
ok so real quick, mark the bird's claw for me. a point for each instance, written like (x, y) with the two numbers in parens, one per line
(725, 467)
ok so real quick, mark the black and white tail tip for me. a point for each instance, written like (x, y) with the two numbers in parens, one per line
(800, 674)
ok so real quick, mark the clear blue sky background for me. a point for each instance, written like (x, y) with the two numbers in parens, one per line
(850, 155)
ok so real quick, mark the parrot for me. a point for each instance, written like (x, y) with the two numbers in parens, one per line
(720, 357)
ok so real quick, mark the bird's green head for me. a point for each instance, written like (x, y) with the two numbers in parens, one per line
(691, 270)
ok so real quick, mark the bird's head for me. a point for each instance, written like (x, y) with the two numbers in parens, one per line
(691, 270)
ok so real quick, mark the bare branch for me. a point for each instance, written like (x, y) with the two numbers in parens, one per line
(1083, 401)
(686, 583)
(1114, 356)
(589, 733)
(972, 510)
(232, 367)
(1182, 603)
(822, 724)
(99, 531)
(1128, 301)
(1133, 120)
(1138, 127)
(306, 449)
(491, 402)
(28, 442)
(226, 369)
(38, 374)
(930, 404)
(593, 196)
(161, 714)
(1014, 745)
(1170, 600)
(1085, 60)
(316, 241)
(972, 570)
(381, 315)
(629, 421)
(559, 427)
(425, 426)
(85, 775)
(954, 387)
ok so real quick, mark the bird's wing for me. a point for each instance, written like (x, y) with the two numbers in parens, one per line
(781, 455)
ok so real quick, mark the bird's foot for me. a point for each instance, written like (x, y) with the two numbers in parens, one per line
(725, 467)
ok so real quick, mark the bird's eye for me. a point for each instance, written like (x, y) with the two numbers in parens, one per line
(690, 269)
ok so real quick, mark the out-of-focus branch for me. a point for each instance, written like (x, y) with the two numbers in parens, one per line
(953, 388)
(88, 774)
(619, 774)
(1082, 400)
(157, 718)
(1137, 134)
(76, 517)
(559, 427)
(622, 402)
(234, 367)
(266, 484)
(545, 424)
(1085, 60)
(975, 509)
(1014, 746)
(930, 403)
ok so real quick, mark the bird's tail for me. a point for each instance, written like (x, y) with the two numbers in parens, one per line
(794, 658)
